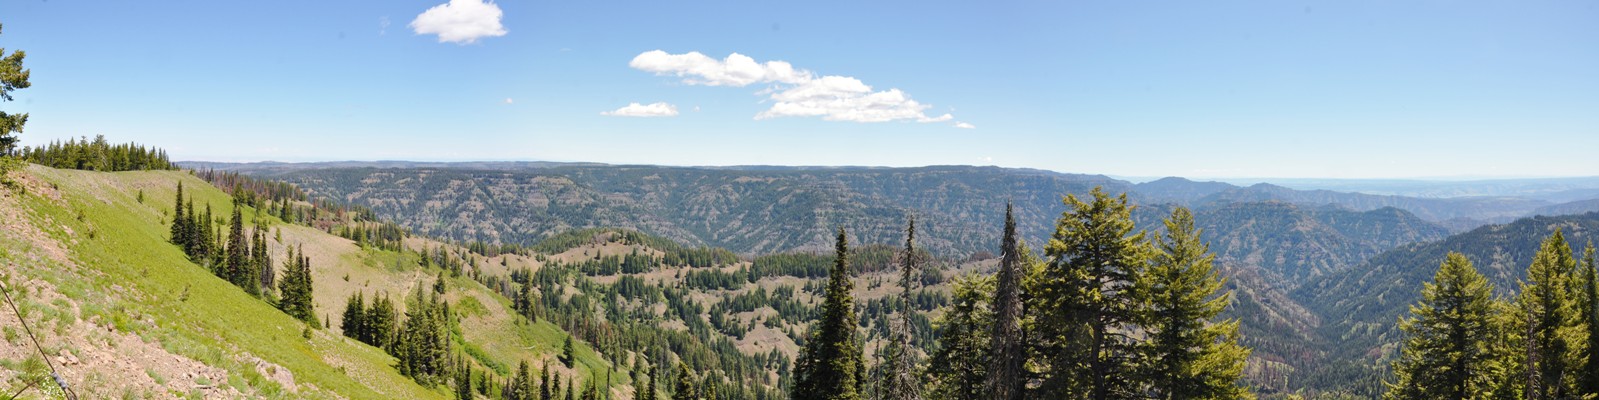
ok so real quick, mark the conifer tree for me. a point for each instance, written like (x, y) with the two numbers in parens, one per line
(1449, 346)
(685, 384)
(568, 352)
(180, 219)
(352, 322)
(12, 77)
(295, 289)
(380, 322)
(1551, 323)
(261, 258)
(1008, 353)
(899, 380)
(830, 366)
(237, 267)
(647, 390)
(1192, 355)
(1085, 309)
(959, 366)
(1588, 275)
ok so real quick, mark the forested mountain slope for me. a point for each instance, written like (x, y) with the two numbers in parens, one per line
(1363, 304)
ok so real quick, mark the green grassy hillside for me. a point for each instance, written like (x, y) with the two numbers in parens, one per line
(123, 313)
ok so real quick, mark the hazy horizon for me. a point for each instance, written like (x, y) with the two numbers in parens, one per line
(1212, 90)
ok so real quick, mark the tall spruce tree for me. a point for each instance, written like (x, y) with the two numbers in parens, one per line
(261, 258)
(180, 220)
(1192, 356)
(1007, 355)
(1588, 275)
(1085, 307)
(830, 366)
(238, 265)
(959, 366)
(1449, 346)
(899, 379)
(353, 323)
(1552, 340)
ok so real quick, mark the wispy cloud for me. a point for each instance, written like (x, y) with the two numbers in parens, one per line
(964, 125)
(794, 92)
(460, 21)
(644, 110)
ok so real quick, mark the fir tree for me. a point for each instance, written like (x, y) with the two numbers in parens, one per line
(685, 384)
(568, 352)
(1192, 355)
(379, 321)
(647, 390)
(180, 220)
(1008, 353)
(899, 376)
(830, 365)
(261, 258)
(1449, 346)
(959, 365)
(237, 267)
(1588, 275)
(12, 77)
(1086, 310)
(352, 323)
(295, 289)
(1550, 321)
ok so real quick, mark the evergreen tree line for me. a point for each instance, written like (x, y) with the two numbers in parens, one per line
(242, 257)
(1108, 313)
(97, 155)
(1461, 341)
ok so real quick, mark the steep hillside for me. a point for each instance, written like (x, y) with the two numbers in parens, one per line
(749, 211)
(1362, 304)
(121, 312)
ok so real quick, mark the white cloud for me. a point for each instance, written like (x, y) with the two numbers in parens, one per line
(964, 125)
(508, 100)
(460, 21)
(644, 110)
(735, 70)
(794, 92)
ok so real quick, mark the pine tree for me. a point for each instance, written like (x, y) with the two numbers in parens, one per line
(380, 322)
(352, 322)
(899, 376)
(830, 365)
(12, 77)
(959, 365)
(1449, 346)
(1588, 275)
(261, 258)
(647, 391)
(180, 220)
(237, 267)
(1008, 353)
(1085, 309)
(295, 289)
(568, 352)
(1192, 355)
(1550, 319)
(685, 384)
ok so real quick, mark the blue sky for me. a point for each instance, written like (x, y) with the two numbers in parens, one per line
(1345, 89)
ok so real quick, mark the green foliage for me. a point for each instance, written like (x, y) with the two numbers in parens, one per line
(1193, 355)
(959, 366)
(295, 289)
(97, 155)
(1550, 322)
(830, 366)
(1006, 378)
(12, 77)
(1084, 304)
(1453, 341)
